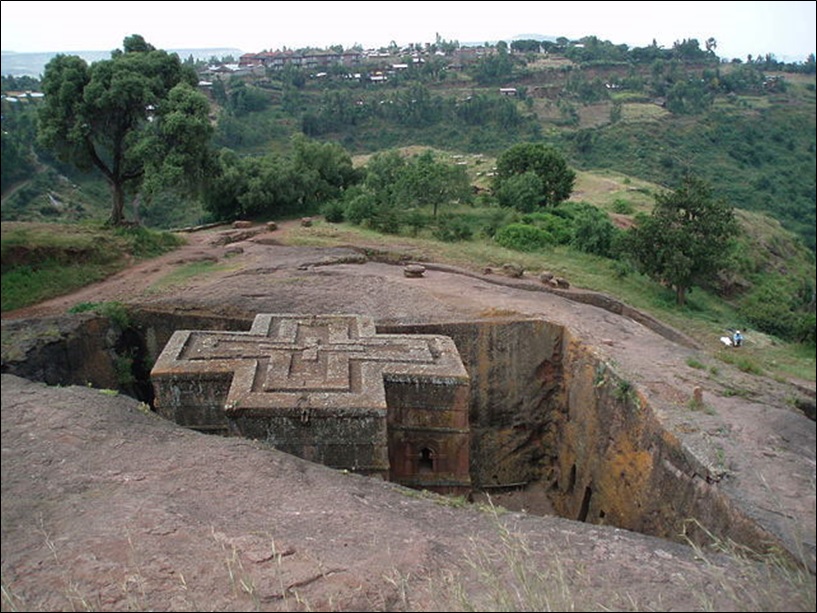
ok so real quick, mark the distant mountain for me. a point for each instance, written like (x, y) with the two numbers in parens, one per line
(539, 37)
(33, 64)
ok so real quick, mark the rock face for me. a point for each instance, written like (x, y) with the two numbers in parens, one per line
(328, 389)
(590, 402)
(541, 409)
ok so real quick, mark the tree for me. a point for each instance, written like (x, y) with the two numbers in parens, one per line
(224, 188)
(125, 117)
(327, 166)
(546, 162)
(526, 46)
(176, 150)
(593, 232)
(689, 97)
(19, 127)
(495, 68)
(521, 192)
(425, 181)
(686, 239)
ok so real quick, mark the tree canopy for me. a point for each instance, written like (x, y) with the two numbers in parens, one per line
(132, 117)
(556, 178)
(429, 182)
(687, 237)
(273, 185)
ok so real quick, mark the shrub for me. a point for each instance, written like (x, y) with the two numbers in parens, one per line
(593, 232)
(623, 268)
(497, 218)
(359, 208)
(523, 237)
(623, 207)
(557, 225)
(451, 229)
(386, 219)
(333, 211)
(146, 243)
(522, 192)
(115, 311)
(417, 220)
(768, 307)
(805, 329)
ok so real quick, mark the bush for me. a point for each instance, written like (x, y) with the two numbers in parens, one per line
(623, 268)
(333, 211)
(805, 329)
(145, 243)
(623, 207)
(115, 311)
(522, 192)
(497, 218)
(593, 232)
(417, 220)
(386, 219)
(523, 237)
(359, 208)
(768, 308)
(558, 225)
(451, 229)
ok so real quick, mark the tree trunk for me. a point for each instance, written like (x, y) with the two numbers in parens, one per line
(680, 295)
(118, 210)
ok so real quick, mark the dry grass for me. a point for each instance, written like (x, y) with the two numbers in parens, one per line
(643, 111)
(497, 574)
(754, 580)
(603, 188)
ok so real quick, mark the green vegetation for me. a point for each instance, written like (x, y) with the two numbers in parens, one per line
(275, 185)
(135, 118)
(694, 363)
(560, 176)
(686, 239)
(115, 311)
(533, 161)
(42, 261)
(704, 315)
(758, 158)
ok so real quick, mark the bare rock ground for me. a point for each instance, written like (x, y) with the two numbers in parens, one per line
(107, 507)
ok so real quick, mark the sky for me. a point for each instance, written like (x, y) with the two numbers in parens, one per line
(784, 29)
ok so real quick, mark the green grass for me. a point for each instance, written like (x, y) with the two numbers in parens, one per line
(41, 261)
(115, 311)
(697, 364)
(27, 285)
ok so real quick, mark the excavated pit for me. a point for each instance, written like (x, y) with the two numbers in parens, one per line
(552, 429)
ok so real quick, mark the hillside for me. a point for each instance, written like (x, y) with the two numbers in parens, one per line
(646, 117)
(651, 114)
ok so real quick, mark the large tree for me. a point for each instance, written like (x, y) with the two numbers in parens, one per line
(557, 179)
(132, 117)
(686, 239)
(426, 181)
